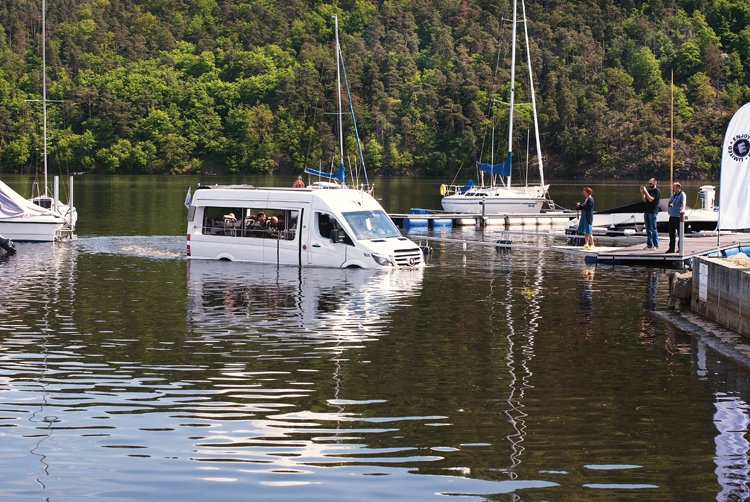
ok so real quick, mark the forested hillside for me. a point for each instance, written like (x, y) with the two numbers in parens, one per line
(183, 86)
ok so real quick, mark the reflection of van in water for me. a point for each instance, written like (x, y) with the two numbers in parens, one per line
(295, 226)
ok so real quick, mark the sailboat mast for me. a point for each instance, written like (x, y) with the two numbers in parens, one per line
(512, 89)
(533, 98)
(671, 131)
(44, 91)
(492, 150)
(338, 91)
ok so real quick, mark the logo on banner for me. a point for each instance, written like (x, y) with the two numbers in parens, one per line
(739, 147)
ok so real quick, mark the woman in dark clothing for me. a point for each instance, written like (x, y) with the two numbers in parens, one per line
(585, 225)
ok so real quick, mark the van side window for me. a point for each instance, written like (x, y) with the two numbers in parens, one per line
(220, 220)
(326, 224)
(259, 223)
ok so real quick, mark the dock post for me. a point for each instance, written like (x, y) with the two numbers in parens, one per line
(681, 239)
(481, 222)
(70, 203)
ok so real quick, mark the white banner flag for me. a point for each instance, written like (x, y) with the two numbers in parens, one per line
(734, 192)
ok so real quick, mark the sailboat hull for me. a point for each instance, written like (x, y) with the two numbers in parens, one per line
(492, 205)
(32, 228)
(70, 215)
(495, 200)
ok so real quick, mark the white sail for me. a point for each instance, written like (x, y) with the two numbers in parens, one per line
(734, 196)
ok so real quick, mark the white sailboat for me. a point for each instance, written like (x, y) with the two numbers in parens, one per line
(22, 220)
(337, 178)
(67, 211)
(43, 218)
(500, 196)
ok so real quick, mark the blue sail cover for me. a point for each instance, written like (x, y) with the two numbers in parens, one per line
(469, 184)
(502, 169)
(337, 175)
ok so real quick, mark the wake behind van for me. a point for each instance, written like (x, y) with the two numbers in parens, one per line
(317, 227)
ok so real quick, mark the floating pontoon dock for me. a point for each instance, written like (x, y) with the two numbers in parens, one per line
(730, 244)
(436, 219)
(693, 246)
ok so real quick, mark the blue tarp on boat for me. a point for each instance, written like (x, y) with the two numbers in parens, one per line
(337, 175)
(502, 169)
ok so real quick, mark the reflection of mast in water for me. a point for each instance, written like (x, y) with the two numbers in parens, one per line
(732, 467)
(53, 276)
(732, 421)
(520, 382)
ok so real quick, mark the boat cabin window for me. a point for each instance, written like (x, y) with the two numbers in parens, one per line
(259, 223)
(326, 224)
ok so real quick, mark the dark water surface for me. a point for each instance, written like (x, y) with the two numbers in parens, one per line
(127, 373)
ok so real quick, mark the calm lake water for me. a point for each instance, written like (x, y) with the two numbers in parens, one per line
(128, 373)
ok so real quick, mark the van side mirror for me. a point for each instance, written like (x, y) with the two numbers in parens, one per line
(337, 235)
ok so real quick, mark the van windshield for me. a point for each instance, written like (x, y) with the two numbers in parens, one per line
(371, 225)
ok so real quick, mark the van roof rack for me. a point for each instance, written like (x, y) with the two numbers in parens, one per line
(230, 187)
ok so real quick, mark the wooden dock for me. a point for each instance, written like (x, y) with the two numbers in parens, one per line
(694, 246)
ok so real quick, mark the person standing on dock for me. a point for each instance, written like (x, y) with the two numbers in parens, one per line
(586, 223)
(651, 196)
(676, 212)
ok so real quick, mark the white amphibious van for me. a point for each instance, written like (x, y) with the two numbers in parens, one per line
(319, 227)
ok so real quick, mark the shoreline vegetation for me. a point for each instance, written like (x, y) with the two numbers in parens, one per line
(238, 87)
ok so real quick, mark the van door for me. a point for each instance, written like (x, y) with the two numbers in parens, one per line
(323, 251)
(283, 242)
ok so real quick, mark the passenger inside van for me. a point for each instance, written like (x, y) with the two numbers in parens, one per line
(260, 221)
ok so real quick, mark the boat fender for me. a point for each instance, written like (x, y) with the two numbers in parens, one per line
(443, 189)
(8, 246)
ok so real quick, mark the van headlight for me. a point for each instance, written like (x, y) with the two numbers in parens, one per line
(381, 260)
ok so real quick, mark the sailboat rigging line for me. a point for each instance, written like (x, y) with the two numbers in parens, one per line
(533, 97)
(315, 108)
(354, 120)
(338, 92)
(461, 166)
(528, 134)
(493, 89)
(512, 90)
